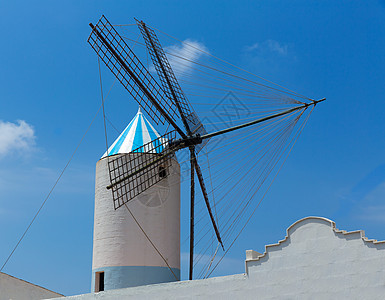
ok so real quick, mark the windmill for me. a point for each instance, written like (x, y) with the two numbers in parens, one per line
(164, 103)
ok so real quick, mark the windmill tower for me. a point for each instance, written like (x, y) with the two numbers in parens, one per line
(126, 241)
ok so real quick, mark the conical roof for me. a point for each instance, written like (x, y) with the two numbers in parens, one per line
(137, 133)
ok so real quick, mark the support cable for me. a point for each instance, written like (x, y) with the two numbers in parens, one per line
(58, 179)
(260, 184)
(104, 114)
(288, 91)
(152, 244)
(224, 61)
(51, 190)
(295, 140)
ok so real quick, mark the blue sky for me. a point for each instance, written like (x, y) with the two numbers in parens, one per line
(50, 93)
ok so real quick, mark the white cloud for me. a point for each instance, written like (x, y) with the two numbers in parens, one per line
(19, 136)
(372, 208)
(181, 56)
(269, 46)
(373, 214)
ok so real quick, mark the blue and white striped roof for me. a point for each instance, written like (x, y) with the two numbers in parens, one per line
(138, 133)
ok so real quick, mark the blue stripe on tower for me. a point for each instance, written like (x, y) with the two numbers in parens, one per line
(130, 276)
(116, 148)
(138, 139)
(153, 137)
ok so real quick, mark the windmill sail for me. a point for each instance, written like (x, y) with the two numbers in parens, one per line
(129, 70)
(170, 84)
(133, 173)
(190, 120)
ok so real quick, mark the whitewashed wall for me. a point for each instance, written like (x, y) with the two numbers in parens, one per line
(314, 261)
(17, 289)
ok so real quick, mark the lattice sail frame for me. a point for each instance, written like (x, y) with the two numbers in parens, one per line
(163, 66)
(133, 173)
(125, 65)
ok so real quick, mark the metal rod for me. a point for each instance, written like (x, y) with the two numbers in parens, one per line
(205, 196)
(192, 204)
(209, 135)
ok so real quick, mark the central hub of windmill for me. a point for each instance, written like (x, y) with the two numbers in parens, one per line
(185, 143)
